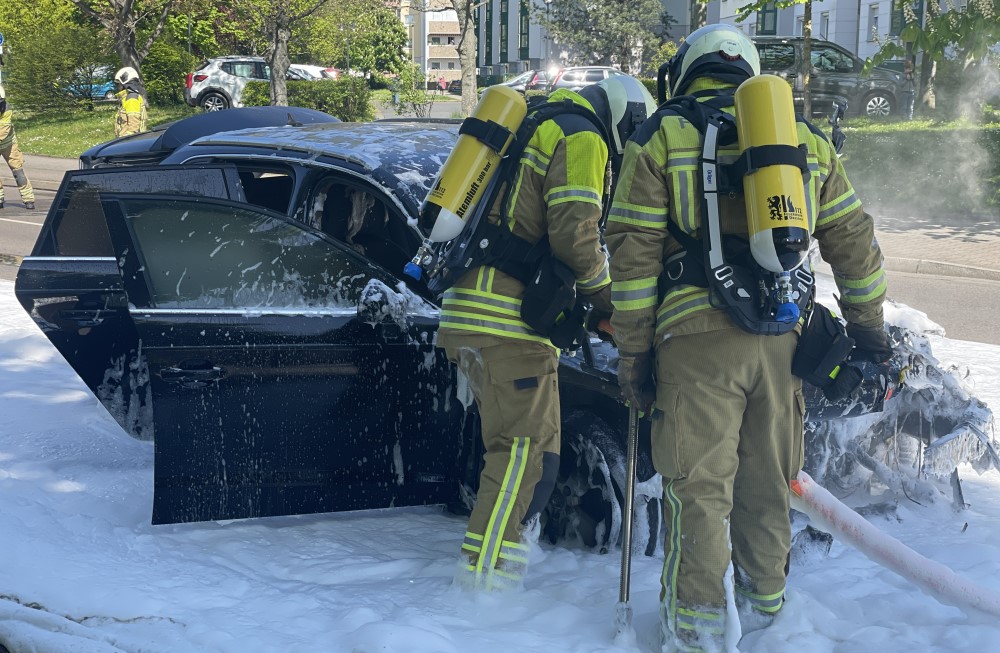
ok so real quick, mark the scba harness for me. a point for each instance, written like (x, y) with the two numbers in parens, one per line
(551, 305)
(758, 300)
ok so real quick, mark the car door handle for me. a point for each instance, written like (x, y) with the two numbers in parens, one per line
(87, 318)
(192, 374)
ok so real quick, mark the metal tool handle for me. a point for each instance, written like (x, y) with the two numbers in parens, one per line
(632, 446)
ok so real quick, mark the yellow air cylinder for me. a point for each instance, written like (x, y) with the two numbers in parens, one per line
(470, 166)
(775, 194)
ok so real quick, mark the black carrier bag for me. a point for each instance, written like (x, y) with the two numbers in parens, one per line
(823, 348)
(549, 304)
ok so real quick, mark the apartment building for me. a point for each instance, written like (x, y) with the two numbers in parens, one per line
(511, 38)
(860, 26)
(432, 33)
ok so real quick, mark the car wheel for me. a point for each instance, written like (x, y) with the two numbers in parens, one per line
(214, 102)
(110, 95)
(586, 504)
(878, 105)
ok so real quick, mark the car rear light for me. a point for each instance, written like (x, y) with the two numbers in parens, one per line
(187, 80)
(200, 78)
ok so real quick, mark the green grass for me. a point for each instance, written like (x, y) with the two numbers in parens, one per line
(68, 133)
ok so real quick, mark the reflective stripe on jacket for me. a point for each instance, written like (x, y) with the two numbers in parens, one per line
(558, 191)
(660, 181)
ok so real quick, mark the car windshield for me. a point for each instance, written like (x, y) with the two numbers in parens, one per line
(522, 78)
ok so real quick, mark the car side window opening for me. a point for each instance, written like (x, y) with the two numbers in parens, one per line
(776, 57)
(830, 60)
(239, 68)
(363, 222)
(270, 189)
(208, 255)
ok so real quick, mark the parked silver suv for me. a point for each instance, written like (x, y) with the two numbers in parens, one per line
(219, 83)
(577, 77)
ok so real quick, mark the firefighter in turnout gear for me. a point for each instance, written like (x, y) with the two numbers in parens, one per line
(727, 429)
(558, 193)
(11, 153)
(131, 115)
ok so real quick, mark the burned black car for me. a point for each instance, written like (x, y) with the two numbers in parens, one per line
(241, 305)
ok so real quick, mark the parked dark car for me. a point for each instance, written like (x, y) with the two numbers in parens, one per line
(835, 74)
(241, 304)
(455, 86)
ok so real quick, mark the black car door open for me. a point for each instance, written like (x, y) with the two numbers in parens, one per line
(281, 365)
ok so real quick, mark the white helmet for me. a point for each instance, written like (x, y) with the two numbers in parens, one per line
(721, 52)
(126, 75)
(621, 103)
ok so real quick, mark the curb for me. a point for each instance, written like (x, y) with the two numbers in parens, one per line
(938, 268)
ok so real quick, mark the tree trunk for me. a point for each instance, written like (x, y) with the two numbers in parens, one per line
(928, 71)
(277, 58)
(467, 47)
(699, 14)
(807, 22)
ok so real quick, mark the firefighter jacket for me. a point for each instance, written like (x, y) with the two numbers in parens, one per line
(660, 181)
(131, 115)
(7, 135)
(558, 191)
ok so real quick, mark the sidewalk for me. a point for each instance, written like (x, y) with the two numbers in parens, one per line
(957, 246)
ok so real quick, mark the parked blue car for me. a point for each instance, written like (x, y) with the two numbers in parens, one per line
(97, 85)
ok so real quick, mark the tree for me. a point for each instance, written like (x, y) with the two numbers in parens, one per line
(365, 33)
(616, 32)
(467, 47)
(39, 71)
(968, 36)
(123, 20)
(278, 17)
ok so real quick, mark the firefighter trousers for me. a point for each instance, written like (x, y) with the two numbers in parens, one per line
(516, 389)
(727, 438)
(11, 153)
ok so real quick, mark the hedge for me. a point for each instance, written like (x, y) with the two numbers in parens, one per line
(948, 172)
(349, 99)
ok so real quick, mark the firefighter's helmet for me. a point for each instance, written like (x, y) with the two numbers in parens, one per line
(720, 52)
(126, 75)
(621, 103)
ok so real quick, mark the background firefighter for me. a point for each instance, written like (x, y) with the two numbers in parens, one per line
(11, 153)
(131, 115)
(728, 433)
(558, 192)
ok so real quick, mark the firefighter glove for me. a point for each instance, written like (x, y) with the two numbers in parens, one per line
(870, 344)
(635, 378)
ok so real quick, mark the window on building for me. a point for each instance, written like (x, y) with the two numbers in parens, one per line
(451, 40)
(767, 20)
(435, 40)
(523, 30)
(800, 26)
(824, 25)
(872, 22)
(435, 65)
(451, 65)
(504, 23)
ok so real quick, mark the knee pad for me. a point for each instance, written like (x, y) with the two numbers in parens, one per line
(19, 177)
